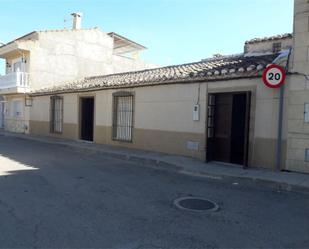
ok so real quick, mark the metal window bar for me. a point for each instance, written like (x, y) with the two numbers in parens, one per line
(277, 47)
(56, 115)
(211, 116)
(123, 118)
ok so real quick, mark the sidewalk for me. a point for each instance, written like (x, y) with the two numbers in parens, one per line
(280, 180)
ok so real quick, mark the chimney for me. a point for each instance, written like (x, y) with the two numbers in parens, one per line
(77, 20)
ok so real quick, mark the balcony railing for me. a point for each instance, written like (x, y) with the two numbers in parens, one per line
(17, 79)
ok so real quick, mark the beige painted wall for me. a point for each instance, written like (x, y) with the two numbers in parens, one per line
(163, 118)
(298, 129)
(166, 108)
(40, 116)
(300, 56)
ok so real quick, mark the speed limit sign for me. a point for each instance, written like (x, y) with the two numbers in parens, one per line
(273, 76)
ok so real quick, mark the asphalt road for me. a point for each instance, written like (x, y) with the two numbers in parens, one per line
(55, 196)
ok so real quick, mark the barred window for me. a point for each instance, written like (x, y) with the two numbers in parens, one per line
(123, 116)
(277, 47)
(56, 114)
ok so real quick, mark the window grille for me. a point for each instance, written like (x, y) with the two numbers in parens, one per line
(211, 116)
(276, 47)
(56, 117)
(123, 116)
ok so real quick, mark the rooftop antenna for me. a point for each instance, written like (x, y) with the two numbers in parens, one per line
(64, 23)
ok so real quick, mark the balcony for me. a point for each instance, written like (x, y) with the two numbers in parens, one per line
(14, 82)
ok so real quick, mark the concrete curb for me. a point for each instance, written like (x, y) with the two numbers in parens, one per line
(162, 164)
(275, 185)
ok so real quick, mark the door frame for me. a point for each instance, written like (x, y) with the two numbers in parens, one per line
(249, 127)
(2, 110)
(2, 107)
(80, 97)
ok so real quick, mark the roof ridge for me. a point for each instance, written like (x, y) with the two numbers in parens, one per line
(222, 57)
(269, 38)
(66, 29)
(236, 56)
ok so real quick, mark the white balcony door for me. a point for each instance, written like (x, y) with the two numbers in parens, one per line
(18, 66)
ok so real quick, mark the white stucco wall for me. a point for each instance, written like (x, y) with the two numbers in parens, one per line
(61, 56)
(267, 46)
(124, 64)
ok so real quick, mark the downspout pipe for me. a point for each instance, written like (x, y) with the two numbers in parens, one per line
(280, 119)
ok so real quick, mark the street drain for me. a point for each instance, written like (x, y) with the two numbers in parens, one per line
(196, 204)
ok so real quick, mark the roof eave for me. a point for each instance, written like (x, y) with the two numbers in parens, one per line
(15, 44)
(133, 43)
(6, 49)
(20, 38)
(147, 84)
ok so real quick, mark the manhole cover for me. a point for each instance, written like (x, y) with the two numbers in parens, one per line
(196, 204)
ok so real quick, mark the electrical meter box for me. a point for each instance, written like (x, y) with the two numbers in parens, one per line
(196, 112)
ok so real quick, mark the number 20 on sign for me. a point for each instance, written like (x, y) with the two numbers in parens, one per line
(274, 76)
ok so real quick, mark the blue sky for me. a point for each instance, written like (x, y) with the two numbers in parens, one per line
(174, 31)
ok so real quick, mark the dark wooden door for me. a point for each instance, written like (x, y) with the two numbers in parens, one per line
(238, 128)
(87, 118)
(228, 127)
(223, 123)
